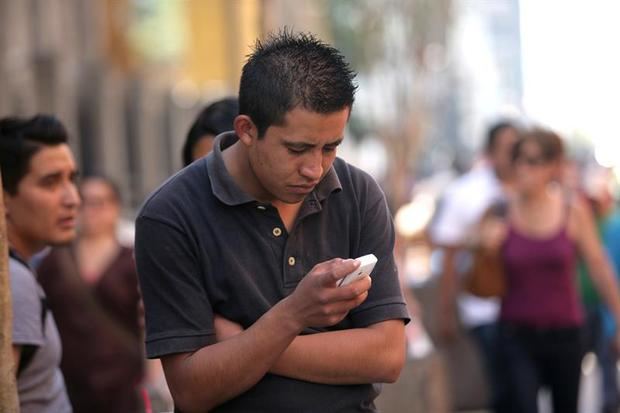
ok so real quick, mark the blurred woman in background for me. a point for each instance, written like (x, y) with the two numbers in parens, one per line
(92, 288)
(539, 241)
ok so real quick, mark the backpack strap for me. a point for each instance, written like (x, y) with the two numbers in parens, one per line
(28, 351)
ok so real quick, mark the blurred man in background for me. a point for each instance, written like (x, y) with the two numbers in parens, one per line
(460, 211)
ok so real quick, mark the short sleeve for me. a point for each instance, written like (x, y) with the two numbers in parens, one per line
(26, 298)
(385, 300)
(448, 228)
(178, 314)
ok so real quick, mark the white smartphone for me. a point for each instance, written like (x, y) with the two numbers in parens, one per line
(367, 264)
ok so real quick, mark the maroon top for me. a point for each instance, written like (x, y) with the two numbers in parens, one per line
(541, 278)
(100, 331)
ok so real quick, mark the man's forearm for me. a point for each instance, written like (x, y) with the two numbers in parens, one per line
(214, 374)
(448, 281)
(355, 356)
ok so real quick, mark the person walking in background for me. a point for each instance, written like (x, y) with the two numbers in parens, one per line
(459, 213)
(610, 233)
(598, 189)
(539, 242)
(41, 204)
(92, 288)
(239, 254)
(214, 119)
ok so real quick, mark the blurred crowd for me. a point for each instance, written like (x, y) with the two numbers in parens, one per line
(525, 258)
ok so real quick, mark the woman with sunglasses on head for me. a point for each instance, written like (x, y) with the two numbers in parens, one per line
(544, 231)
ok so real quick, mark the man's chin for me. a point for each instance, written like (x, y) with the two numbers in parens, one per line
(293, 199)
(63, 239)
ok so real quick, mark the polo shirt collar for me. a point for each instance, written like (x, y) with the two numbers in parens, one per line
(330, 183)
(226, 189)
(222, 183)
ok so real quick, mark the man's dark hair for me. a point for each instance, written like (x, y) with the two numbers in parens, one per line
(293, 70)
(493, 134)
(20, 140)
(214, 119)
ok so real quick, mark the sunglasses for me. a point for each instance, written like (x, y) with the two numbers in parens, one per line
(531, 160)
(97, 202)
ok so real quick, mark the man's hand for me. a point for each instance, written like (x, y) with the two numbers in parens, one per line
(318, 301)
(321, 302)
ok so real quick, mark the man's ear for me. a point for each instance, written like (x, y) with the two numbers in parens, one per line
(6, 200)
(245, 129)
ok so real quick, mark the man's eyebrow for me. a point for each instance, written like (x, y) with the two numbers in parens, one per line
(52, 174)
(305, 145)
(58, 174)
(336, 142)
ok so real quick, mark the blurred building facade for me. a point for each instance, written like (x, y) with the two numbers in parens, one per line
(126, 77)
(486, 41)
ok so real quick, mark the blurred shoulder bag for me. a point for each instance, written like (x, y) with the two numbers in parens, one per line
(486, 277)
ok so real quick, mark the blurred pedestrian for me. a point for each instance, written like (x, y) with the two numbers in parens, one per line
(609, 357)
(41, 204)
(214, 119)
(598, 189)
(92, 288)
(539, 241)
(456, 222)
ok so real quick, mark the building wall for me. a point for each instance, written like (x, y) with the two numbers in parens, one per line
(127, 110)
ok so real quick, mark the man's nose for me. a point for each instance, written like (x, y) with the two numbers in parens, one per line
(71, 196)
(313, 168)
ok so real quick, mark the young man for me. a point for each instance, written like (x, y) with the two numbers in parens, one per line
(239, 255)
(41, 203)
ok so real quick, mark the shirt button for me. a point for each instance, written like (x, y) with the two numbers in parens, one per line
(277, 232)
(291, 261)
(261, 207)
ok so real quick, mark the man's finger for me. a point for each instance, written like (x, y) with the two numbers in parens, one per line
(351, 292)
(337, 270)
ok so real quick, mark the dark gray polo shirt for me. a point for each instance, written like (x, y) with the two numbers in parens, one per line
(203, 246)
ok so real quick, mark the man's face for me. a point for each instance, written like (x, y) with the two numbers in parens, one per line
(44, 209)
(290, 160)
(502, 150)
